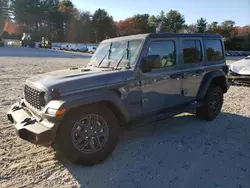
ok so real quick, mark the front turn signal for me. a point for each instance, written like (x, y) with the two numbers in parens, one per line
(60, 112)
(55, 112)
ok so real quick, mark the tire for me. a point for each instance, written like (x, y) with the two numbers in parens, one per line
(212, 104)
(70, 137)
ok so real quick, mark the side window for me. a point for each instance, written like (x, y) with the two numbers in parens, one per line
(166, 50)
(192, 52)
(213, 49)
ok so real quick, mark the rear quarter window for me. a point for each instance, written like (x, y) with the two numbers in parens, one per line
(192, 51)
(213, 49)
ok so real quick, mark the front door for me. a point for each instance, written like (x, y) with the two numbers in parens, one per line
(161, 88)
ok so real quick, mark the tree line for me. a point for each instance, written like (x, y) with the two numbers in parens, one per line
(61, 21)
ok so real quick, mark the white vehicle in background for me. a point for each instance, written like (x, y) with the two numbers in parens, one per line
(64, 47)
(78, 48)
(240, 72)
(73, 47)
(92, 49)
(241, 67)
(82, 48)
(56, 47)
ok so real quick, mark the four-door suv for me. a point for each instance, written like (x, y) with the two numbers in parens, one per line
(129, 80)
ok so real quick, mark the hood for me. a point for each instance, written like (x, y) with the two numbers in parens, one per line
(73, 80)
(241, 67)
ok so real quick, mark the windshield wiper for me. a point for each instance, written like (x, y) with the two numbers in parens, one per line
(126, 52)
(119, 62)
(107, 54)
(102, 59)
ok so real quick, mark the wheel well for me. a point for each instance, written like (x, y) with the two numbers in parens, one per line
(114, 109)
(108, 104)
(221, 82)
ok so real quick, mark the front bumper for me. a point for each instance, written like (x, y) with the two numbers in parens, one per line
(29, 127)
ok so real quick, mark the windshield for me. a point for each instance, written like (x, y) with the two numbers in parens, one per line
(112, 53)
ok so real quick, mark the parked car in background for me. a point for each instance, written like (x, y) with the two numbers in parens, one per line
(14, 43)
(73, 47)
(241, 67)
(236, 53)
(92, 49)
(78, 48)
(82, 48)
(244, 53)
(56, 47)
(239, 72)
(64, 47)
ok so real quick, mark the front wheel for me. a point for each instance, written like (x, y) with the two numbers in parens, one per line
(88, 135)
(212, 104)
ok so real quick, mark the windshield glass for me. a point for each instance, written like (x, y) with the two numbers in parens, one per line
(112, 53)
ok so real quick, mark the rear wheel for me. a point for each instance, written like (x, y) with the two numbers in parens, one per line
(212, 104)
(88, 136)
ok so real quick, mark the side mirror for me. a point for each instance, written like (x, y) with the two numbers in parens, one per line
(150, 62)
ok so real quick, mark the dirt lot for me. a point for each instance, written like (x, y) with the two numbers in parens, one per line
(180, 152)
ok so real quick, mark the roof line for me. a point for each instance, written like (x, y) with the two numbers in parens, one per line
(163, 35)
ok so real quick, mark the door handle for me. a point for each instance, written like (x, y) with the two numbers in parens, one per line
(175, 76)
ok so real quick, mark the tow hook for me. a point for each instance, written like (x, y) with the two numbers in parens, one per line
(26, 120)
(15, 108)
(10, 118)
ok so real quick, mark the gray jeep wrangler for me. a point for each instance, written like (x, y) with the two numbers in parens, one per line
(128, 81)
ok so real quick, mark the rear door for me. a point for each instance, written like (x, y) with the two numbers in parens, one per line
(193, 66)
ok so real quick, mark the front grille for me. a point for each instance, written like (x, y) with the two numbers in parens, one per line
(34, 97)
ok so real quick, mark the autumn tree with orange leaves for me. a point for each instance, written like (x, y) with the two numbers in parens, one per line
(12, 28)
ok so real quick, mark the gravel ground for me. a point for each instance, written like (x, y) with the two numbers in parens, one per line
(179, 152)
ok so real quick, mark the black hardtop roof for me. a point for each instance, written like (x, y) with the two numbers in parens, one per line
(162, 35)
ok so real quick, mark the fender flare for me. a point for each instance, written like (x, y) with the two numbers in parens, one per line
(95, 97)
(207, 80)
